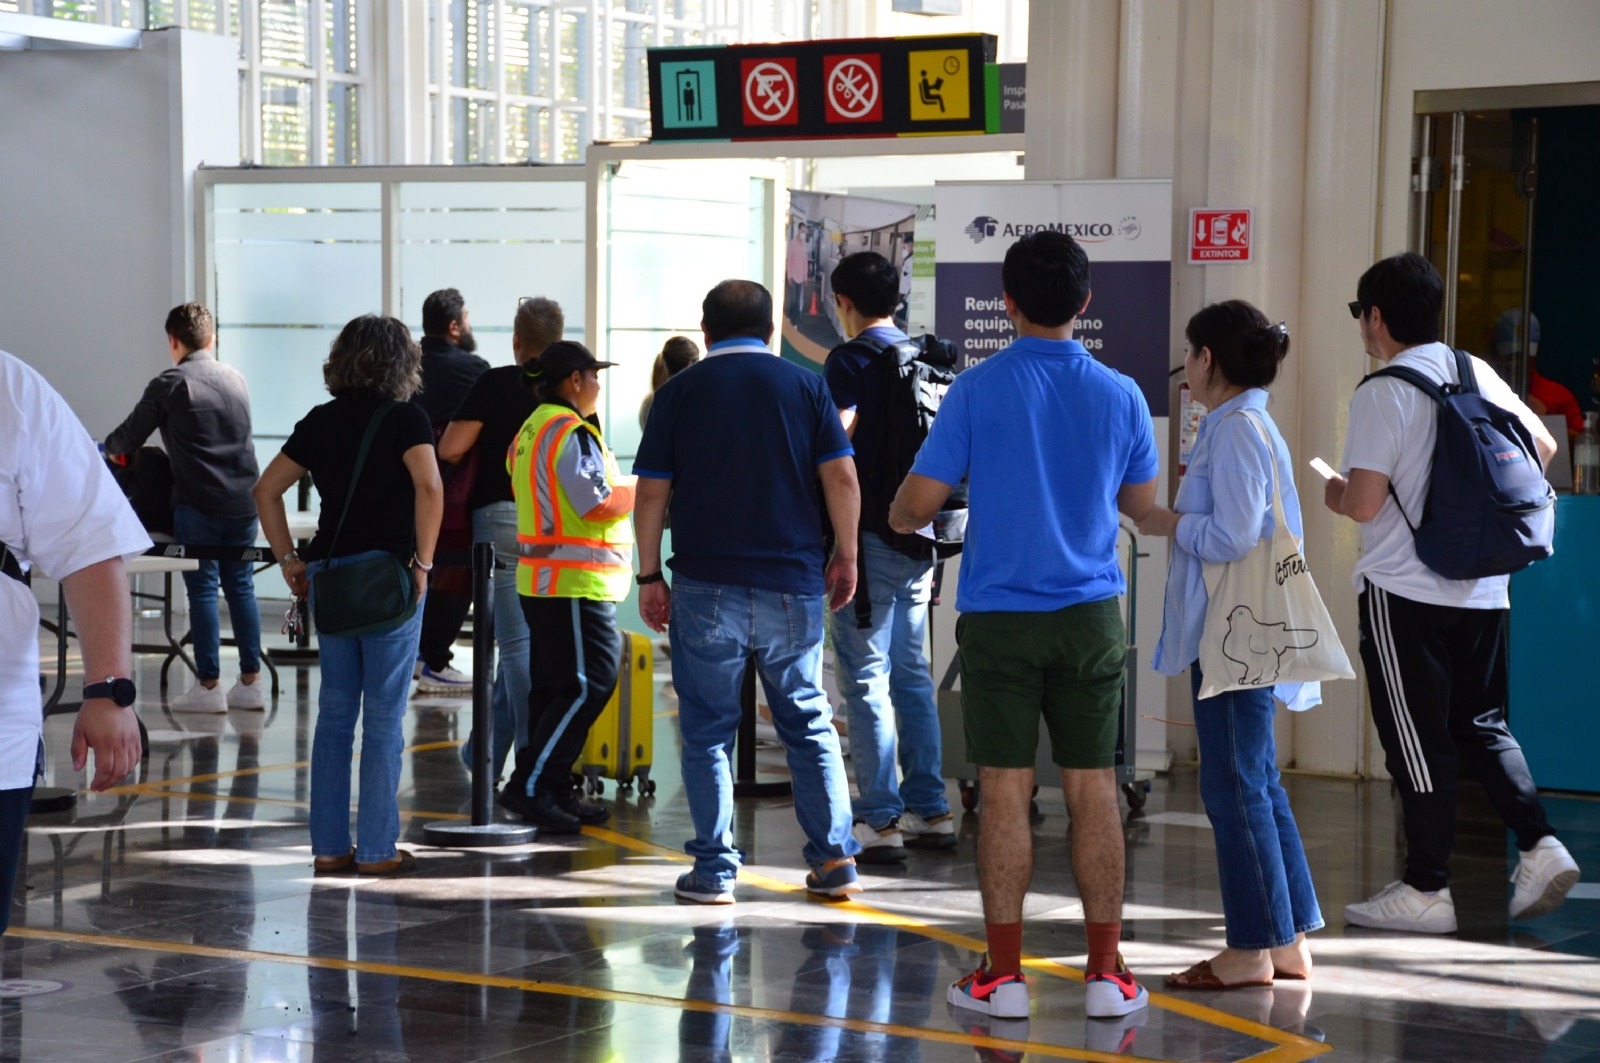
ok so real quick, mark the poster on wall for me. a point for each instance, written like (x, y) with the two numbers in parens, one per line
(822, 229)
(1125, 227)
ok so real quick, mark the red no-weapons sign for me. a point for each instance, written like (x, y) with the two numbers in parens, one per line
(1218, 235)
(769, 91)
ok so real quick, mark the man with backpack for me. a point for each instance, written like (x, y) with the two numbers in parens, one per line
(887, 388)
(1445, 477)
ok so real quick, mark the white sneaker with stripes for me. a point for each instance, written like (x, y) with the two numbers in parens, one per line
(1401, 907)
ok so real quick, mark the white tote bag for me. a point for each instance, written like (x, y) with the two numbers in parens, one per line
(1265, 621)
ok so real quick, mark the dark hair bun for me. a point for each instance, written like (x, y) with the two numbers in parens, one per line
(1245, 347)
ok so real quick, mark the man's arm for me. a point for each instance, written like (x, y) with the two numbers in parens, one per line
(842, 492)
(102, 613)
(1543, 441)
(848, 419)
(1136, 500)
(1360, 497)
(281, 473)
(458, 438)
(917, 502)
(146, 417)
(649, 516)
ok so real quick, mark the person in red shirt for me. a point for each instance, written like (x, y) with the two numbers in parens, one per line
(1544, 395)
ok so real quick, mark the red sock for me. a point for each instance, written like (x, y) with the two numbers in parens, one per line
(1005, 947)
(1103, 941)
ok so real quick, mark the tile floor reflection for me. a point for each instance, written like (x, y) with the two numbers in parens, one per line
(178, 919)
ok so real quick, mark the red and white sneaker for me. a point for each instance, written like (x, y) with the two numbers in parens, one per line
(1004, 996)
(1111, 996)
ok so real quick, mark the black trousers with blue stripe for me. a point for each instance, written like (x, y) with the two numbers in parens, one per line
(575, 652)
(1438, 677)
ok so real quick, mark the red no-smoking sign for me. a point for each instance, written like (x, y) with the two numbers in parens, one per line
(852, 88)
(768, 88)
(1218, 235)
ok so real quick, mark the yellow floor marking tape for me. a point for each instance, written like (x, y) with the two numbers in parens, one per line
(1289, 1048)
(586, 992)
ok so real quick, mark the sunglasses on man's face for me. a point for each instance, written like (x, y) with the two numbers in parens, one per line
(1355, 309)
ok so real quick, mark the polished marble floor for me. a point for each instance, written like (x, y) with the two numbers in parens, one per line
(178, 919)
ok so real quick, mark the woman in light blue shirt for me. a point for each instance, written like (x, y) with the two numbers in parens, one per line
(1223, 508)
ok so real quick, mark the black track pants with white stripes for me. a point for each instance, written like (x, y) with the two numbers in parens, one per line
(1437, 675)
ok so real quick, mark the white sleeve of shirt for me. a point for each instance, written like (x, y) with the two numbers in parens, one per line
(581, 468)
(1375, 436)
(1497, 391)
(59, 506)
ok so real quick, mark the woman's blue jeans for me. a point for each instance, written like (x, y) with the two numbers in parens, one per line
(1267, 895)
(497, 523)
(367, 676)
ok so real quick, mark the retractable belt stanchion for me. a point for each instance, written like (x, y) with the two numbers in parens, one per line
(482, 831)
(744, 773)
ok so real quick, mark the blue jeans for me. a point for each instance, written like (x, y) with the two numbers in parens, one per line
(366, 676)
(497, 523)
(716, 629)
(238, 584)
(1267, 895)
(886, 682)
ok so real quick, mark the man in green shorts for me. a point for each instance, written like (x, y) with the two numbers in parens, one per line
(1053, 444)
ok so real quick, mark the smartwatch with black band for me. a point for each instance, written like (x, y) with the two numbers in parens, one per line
(654, 577)
(119, 691)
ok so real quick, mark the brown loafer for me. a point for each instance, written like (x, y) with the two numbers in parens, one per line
(401, 863)
(334, 865)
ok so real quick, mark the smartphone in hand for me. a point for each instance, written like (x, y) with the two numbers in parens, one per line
(1323, 469)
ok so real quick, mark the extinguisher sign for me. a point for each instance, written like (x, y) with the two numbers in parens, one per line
(1218, 234)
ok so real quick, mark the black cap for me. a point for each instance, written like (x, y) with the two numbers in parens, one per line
(560, 360)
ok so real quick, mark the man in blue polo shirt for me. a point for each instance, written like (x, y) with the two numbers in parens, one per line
(1053, 444)
(748, 448)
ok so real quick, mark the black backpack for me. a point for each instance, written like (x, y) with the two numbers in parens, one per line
(902, 387)
(1489, 511)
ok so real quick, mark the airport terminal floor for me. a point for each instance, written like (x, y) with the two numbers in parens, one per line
(177, 918)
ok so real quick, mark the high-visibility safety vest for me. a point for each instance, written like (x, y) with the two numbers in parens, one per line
(564, 553)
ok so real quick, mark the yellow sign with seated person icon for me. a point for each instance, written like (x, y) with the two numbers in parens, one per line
(939, 85)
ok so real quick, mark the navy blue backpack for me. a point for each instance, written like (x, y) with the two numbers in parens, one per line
(1489, 510)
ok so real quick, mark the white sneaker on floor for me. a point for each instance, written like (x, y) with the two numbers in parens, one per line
(1543, 876)
(246, 695)
(879, 845)
(201, 698)
(936, 833)
(1401, 907)
(446, 681)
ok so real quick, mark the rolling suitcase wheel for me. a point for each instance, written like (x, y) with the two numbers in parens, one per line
(1137, 794)
(969, 794)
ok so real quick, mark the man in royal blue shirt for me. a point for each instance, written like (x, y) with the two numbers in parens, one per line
(1053, 445)
(747, 448)
(882, 668)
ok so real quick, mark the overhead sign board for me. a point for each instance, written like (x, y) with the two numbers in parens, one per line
(875, 87)
(1218, 235)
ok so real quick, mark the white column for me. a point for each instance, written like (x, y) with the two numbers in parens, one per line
(1147, 98)
(1072, 88)
(1346, 89)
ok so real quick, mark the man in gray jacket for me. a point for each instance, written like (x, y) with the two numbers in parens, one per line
(202, 409)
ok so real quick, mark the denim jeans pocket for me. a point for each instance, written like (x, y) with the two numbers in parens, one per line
(805, 613)
(694, 614)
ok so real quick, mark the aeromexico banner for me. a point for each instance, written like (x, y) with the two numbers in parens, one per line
(1124, 226)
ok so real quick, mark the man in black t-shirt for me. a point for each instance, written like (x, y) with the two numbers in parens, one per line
(449, 369)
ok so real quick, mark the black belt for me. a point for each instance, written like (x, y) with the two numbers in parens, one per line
(9, 564)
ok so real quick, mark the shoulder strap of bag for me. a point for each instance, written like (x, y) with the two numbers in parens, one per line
(950, 674)
(361, 461)
(1465, 374)
(10, 566)
(1434, 392)
(1272, 461)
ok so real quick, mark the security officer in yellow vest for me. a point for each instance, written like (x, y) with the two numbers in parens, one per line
(576, 563)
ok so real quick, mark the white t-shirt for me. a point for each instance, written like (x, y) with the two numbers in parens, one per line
(60, 511)
(1392, 430)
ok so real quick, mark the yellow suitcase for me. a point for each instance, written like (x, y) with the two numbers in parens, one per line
(621, 744)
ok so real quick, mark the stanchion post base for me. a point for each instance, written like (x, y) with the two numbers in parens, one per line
(763, 789)
(449, 834)
(47, 799)
(292, 654)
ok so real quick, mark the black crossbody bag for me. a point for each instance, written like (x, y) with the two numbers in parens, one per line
(369, 597)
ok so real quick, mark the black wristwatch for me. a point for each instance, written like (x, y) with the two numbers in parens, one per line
(120, 691)
(654, 577)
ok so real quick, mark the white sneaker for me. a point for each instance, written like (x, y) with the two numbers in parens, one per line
(447, 681)
(201, 698)
(1401, 907)
(1543, 876)
(247, 695)
(879, 845)
(936, 833)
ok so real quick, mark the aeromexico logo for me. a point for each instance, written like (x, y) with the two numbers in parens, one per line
(1090, 232)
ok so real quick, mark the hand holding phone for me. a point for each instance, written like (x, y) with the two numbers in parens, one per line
(1323, 469)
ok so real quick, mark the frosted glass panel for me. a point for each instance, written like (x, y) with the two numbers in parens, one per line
(293, 263)
(494, 241)
(676, 229)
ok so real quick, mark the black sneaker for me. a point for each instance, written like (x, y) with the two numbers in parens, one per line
(586, 811)
(542, 811)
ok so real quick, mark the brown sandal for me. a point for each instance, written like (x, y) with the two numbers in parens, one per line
(1201, 976)
(1285, 977)
(402, 863)
(334, 865)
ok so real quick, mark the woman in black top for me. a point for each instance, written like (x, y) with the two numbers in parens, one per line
(489, 419)
(395, 509)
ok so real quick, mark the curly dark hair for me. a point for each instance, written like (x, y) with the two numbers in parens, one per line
(374, 355)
